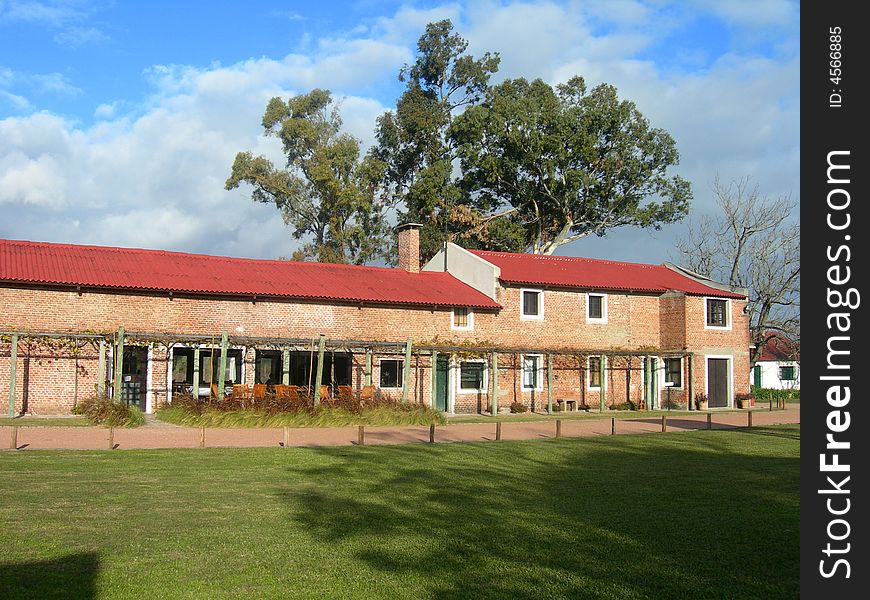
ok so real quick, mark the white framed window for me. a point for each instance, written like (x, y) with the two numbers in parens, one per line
(473, 377)
(593, 372)
(531, 304)
(392, 370)
(461, 319)
(674, 372)
(533, 372)
(596, 307)
(717, 313)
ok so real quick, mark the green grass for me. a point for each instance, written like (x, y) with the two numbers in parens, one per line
(45, 422)
(327, 417)
(708, 514)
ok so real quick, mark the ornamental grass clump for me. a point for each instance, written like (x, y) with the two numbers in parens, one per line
(99, 409)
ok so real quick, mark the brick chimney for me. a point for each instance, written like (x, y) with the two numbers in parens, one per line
(409, 246)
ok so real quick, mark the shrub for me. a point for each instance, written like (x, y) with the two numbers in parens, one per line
(518, 407)
(765, 394)
(621, 406)
(102, 410)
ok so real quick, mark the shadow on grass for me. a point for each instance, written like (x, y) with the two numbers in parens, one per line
(72, 576)
(644, 516)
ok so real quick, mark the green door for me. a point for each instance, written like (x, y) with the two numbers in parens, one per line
(441, 376)
(756, 372)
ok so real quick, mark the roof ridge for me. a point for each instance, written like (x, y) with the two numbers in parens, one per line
(551, 257)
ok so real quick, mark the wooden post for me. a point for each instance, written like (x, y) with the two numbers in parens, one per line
(406, 375)
(549, 384)
(285, 366)
(13, 443)
(101, 369)
(493, 408)
(770, 400)
(361, 436)
(286, 436)
(664, 423)
(709, 420)
(111, 438)
(13, 378)
(558, 428)
(202, 436)
(498, 430)
(432, 433)
(222, 372)
(318, 379)
(195, 390)
(612, 425)
(368, 370)
(119, 365)
(749, 418)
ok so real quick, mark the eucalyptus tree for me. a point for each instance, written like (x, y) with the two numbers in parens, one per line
(561, 164)
(326, 192)
(412, 140)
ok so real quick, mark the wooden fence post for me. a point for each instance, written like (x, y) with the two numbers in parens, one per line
(749, 418)
(612, 425)
(664, 423)
(498, 431)
(709, 421)
(432, 433)
(286, 436)
(361, 436)
(202, 436)
(558, 428)
(111, 438)
(13, 443)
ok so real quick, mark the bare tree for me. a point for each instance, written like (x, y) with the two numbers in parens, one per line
(752, 243)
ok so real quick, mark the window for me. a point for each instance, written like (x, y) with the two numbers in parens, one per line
(674, 371)
(596, 308)
(463, 319)
(717, 312)
(268, 367)
(787, 373)
(208, 368)
(533, 374)
(472, 376)
(182, 367)
(531, 304)
(594, 376)
(303, 368)
(391, 373)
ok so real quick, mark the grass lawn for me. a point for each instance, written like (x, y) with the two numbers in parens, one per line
(707, 514)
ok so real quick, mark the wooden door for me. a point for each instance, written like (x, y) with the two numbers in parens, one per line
(717, 383)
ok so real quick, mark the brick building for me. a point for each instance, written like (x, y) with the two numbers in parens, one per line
(466, 332)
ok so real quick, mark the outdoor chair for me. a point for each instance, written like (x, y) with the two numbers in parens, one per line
(345, 392)
(367, 393)
(214, 391)
(242, 393)
(259, 392)
(325, 395)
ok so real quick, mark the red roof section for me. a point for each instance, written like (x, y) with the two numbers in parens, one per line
(158, 270)
(778, 348)
(570, 271)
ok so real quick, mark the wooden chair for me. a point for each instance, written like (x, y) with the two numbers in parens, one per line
(325, 395)
(242, 393)
(214, 391)
(367, 393)
(282, 391)
(259, 392)
(345, 392)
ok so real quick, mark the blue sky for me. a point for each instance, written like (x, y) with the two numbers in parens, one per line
(119, 121)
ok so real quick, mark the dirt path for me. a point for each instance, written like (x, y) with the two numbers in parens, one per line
(156, 434)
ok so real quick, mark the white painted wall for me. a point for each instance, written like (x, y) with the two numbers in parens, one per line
(770, 375)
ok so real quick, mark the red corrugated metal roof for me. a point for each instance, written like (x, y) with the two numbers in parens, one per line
(157, 270)
(779, 348)
(570, 271)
